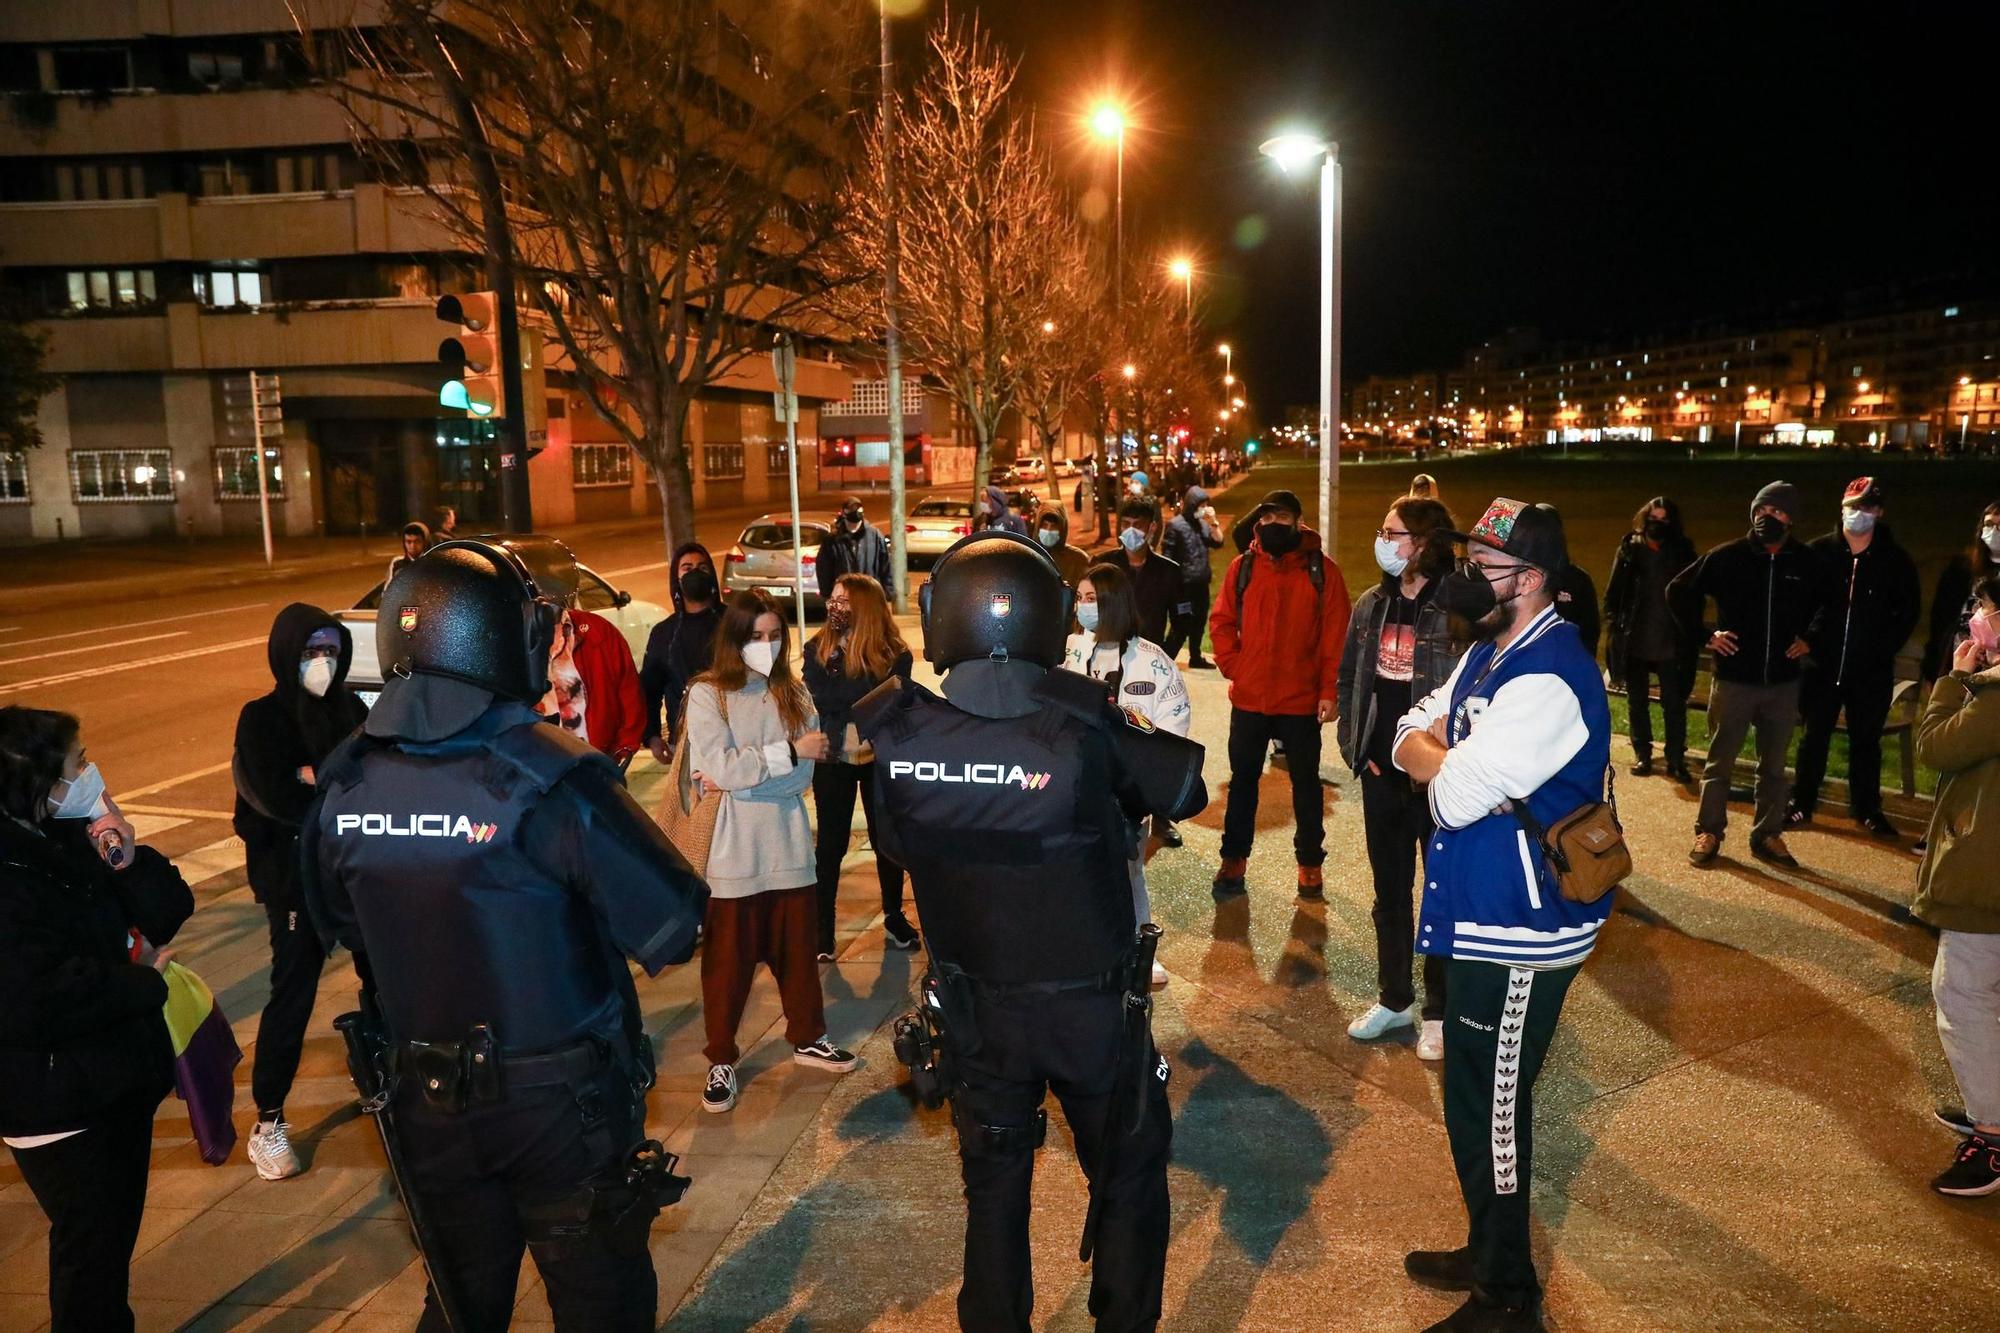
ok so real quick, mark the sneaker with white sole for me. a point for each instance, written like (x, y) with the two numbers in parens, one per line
(1159, 977)
(1430, 1041)
(720, 1094)
(1974, 1171)
(271, 1151)
(1379, 1021)
(823, 1054)
(898, 933)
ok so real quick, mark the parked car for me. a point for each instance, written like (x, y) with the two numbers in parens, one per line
(762, 558)
(1000, 474)
(1066, 469)
(935, 522)
(550, 562)
(1031, 469)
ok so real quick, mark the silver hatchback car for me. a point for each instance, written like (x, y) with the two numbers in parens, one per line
(762, 558)
(936, 522)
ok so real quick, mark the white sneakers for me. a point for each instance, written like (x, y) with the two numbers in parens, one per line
(1159, 977)
(1379, 1022)
(1430, 1044)
(271, 1151)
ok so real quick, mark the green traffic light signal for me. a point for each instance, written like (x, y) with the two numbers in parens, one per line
(455, 393)
(1250, 446)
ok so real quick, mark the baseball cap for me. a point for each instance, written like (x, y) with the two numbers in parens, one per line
(1285, 500)
(1529, 532)
(1862, 491)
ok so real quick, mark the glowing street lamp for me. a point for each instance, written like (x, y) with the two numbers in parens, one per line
(1107, 122)
(1296, 151)
(1181, 268)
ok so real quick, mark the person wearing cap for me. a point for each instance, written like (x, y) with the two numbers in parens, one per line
(1521, 724)
(856, 547)
(1869, 603)
(1765, 593)
(1279, 629)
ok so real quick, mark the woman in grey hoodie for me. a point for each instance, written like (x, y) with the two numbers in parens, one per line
(752, 735)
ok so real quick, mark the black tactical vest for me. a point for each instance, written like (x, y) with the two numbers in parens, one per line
(1014, 842)
(461, 927)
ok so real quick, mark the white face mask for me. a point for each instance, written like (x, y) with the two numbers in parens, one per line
(82, 798)
(1390, 557)
(760, 656)
(1991, 536)
(1132, 539)
(1857, 521)
(1086, 614)
(316, 676)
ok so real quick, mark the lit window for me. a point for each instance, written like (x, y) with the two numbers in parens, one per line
(236, 472)
(100, 475)
(600, 465)
(222, 288)
(13, 477)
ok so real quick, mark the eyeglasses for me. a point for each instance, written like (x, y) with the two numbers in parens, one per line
(1391, 534)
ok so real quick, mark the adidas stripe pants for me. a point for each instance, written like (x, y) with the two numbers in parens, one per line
(1497, 1025)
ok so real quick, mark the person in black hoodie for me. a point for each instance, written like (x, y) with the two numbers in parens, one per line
(281, 739)
(1765, 595)
(681, 646)
(856, 547)
(85, 1057)
(1189, 538)
(1645, 642)
(1869, 602)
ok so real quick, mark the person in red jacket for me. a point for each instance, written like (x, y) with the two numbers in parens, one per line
(594, 685)
(1279, 628)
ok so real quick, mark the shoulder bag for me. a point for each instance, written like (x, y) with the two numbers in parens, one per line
(687, 813)
(1586, 848)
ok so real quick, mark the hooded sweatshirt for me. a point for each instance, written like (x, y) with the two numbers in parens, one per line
(277, 735)
(1070, 560)
(679, 649)
(998, 515)
(1188, 541)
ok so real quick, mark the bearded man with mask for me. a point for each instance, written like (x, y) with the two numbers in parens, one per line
(1765, 598)
(1520, 733)
(1279, 630)
(681, 646)
(282, 738)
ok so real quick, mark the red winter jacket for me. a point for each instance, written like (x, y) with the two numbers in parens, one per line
(1280, 650)
(611, 683)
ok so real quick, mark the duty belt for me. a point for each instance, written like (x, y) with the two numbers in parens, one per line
(453, 1075)
(1109, 982)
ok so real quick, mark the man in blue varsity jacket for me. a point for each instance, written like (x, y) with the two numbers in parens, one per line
(1521, 722)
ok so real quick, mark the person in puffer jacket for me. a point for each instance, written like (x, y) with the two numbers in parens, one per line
(1522, 726)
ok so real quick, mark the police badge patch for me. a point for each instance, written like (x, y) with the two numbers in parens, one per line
(1001, 604)
(406, 619)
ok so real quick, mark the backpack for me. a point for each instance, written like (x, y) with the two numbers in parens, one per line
(1315, 570)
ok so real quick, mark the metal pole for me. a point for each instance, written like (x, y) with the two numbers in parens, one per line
(1329, 321)
(1118, 237)
(1739, 435)
(892, 339)
(784, 363)
(263, 485)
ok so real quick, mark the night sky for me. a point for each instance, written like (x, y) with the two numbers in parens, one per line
(1587, 168)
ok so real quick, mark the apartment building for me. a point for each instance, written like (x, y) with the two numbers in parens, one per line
(180, 204)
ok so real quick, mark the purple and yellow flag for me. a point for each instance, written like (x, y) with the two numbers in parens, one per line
(205, 1060)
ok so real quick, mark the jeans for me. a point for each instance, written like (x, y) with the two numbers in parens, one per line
(1866, 699)
(1250, 736)
(1733, 709)
(1065, 1042)
(492, 1176)
(1673, 707)
(296, 959)
(1186, 627)
(1396, 816)
(834, 787)
(1965, 983)
(92, 1188)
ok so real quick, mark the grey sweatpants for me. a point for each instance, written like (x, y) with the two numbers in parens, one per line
(1965, 982)
(1733, 709)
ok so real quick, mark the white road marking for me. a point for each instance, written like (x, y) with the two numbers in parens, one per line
(149, 826)
(161, 660)
(205, 863)
(94, 648)
(136, 624)
(631, 569)
(136, 792)
(180, 813)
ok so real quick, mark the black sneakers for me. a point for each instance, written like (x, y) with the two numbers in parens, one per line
(823, 1054)
(900, 934)
(1879, 827)
(1975, 1171)
(720, 1094)
(1440, 1270)
(1482, 1313)
(1955, 1119)
(1642, 769)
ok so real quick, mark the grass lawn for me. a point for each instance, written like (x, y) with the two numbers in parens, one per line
(1934, 508)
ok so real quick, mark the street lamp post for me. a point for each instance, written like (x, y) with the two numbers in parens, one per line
(1109, 123)
(892, 343)
(1297, 150)
(1183, 269)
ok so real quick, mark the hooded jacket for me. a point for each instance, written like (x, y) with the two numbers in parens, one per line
(615, 720)
(1280, 650)
(863, 552)
(998, 516)
(1187, 541)
(278, 734)
(679, 649)
(1868, 606)
(1070, 560)
(82, 1027)
(1767, 598)
(1959, 736)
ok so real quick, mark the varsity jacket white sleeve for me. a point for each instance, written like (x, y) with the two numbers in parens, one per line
(1526, 733)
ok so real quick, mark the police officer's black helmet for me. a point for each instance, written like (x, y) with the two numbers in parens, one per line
(995, 594)
(471, 610)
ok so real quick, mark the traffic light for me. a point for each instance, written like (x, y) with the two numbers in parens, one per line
(471, 358)
(1250, 446)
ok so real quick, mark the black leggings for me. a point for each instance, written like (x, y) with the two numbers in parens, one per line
(834, 786)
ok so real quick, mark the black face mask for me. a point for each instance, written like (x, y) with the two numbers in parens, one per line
(1658, 529)
(1466, 593)
(1768, 529)
(1279, 538)
(697, 585)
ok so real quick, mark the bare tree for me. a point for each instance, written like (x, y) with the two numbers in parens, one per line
(1057, 364)
(669, 180)
(977, 202)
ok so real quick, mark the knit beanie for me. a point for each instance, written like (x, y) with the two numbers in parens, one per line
(1781, 495)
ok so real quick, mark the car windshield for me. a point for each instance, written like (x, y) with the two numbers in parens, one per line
(593, 593)
(778, 536)
(944, 509)
(372, 599)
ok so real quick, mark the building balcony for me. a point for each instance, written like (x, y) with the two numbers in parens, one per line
(186, 338)
(369, 219)
(131, 123)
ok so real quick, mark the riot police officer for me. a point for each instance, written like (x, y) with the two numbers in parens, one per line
(1011, 801)
(495, 875)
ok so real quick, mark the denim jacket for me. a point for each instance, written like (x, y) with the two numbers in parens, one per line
(1436, 654)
